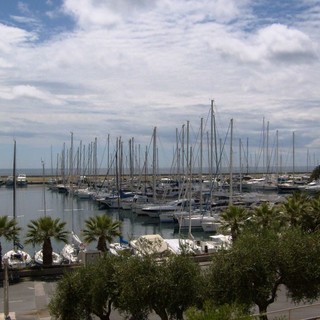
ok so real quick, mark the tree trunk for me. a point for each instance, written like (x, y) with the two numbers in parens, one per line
(161, 313)
(263, 312)
(102, 246)
(179, 314)
(47, 252)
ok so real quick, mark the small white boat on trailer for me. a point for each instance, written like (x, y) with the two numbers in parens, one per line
(17, 259)
(70, 251)
(56, 258)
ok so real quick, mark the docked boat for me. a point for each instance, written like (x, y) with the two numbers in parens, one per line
(195, 220)
(179, 246)
(9, 181)
(216, 242)
(84, 193)
(56, 258)
(312, 187)
(150, 244)
(115, 200)
(210, 224)
(22, 180)
(154, 210)
(70, 251)
(17, 259)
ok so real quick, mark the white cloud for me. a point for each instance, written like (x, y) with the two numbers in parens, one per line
(282, 43)
(130, 65)
(11, 37)
(28, 91)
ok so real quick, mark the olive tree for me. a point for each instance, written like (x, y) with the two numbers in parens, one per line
(88, 290)
(251, 272)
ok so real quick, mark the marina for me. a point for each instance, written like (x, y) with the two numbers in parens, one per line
(74, 211)
(174, 208)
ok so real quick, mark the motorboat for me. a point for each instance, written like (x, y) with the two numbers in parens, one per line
(17, 259)
(194, 219)
(22, 180)
(150, 244)
(216, 242)
(118, 248)
(154, 210)
(179, 246)
(210, 224)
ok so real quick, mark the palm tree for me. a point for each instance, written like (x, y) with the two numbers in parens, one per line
(41, 231)
(310, 221)
(266, 216)
(9, 230)
(295, 207)
(234, 218)
(101, 228)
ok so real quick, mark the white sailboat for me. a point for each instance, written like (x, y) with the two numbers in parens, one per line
(17, 258)
(38, 256)
(70, 251)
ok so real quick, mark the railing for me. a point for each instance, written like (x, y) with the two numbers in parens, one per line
(305, 312)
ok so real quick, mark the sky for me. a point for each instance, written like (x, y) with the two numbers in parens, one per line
(94, 69)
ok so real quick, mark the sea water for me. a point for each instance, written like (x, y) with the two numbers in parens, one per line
(35, 201)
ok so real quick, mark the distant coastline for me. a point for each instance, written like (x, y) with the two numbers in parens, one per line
(35, 172)
(36, 177)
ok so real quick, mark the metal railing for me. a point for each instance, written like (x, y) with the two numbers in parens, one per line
(305, 312)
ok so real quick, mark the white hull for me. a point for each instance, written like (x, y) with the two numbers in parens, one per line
(17, 259)
(56, 258)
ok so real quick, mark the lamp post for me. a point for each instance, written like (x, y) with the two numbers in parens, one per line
(6, 291)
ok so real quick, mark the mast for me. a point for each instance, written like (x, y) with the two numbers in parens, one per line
(44, 190)
(154, 162)
(190, 187)
(293, 156)
(14, 179)
(240, 166)
(201, 160)
(231, 156)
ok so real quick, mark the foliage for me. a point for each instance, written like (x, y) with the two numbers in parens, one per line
(102, 229)
(310, 220)
(266, 216)
(315, 174)
(9, 228)
(223, 312)
(133, 277)
(71, 299)
(300, 264)
(41, 231)
(248, 273)
(88, 290)
(186, 283)
(258, 263)
(295, 207)
(234, 218)
(104, 288)
(167, 287)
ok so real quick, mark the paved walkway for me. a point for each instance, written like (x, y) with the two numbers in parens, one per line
(28, 300)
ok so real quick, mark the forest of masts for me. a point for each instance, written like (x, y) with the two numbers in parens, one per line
(200, 153)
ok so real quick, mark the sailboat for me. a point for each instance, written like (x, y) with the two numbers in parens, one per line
(70, 251)
(38, 256)
(17, 258)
